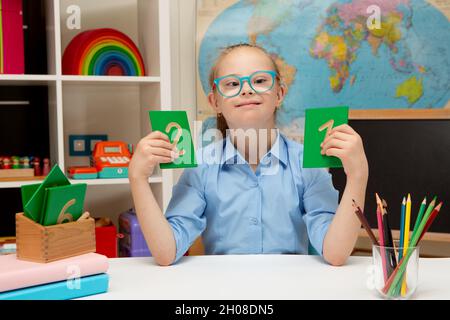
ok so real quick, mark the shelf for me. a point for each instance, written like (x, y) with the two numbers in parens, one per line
(100, 182)
(109, 79)
(89, 182)
(26, 79)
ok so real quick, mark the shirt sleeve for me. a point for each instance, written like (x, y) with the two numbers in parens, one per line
(185, 212)
(320, 202)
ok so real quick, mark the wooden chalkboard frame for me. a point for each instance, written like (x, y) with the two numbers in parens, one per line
(400, 114)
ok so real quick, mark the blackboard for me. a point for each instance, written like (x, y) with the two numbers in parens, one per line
(405, 156)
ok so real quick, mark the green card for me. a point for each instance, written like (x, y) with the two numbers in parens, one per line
(63, 204)
(33, 208)
(175, 125)
(317, 123)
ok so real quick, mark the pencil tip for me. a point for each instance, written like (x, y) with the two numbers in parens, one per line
(404, 200)
(438, 207)
(424, 200)
(409, 198)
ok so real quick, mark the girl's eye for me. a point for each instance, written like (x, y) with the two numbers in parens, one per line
(232, 84)
(259, 80)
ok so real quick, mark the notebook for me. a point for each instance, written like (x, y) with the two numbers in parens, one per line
(17, 274)
(62, 290)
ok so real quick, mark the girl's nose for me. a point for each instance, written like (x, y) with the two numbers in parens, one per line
(246, 89)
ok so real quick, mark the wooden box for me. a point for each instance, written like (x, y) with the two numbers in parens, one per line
(46, 244)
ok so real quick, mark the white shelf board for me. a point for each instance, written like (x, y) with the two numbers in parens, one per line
(90, 182)
(98, 182)
(27, 79)
(109, 79)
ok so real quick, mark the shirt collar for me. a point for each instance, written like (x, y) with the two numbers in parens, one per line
(232, 156)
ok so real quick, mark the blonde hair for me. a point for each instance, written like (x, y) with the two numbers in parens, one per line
(221, 122)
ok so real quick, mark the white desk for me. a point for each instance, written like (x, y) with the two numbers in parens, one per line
(270, 277)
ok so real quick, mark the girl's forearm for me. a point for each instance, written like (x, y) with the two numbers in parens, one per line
(156, 229)
(343, 231)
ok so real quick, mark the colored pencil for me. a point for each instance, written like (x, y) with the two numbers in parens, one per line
(394, 279)
(420, 214)
(431, 219)
(381, 237)
(389, 243)
(365, 223)
(402, 229)
(406, 237)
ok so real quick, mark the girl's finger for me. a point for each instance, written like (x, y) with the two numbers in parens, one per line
(334, 152)
(163, 152)
(158, 135)
(345, 128)
(334, 143)
(337, 135)
(158, 143)
(161, 159)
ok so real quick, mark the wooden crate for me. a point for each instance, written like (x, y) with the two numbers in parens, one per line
(46, 244)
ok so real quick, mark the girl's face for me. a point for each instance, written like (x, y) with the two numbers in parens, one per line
(248, 109)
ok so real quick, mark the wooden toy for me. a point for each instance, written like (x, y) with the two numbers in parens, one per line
(7, 163)
(15, 160)
(45, 244)
(36, 164)
(103, 52)
(46, 167)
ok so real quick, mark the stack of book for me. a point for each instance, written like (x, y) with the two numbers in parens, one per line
(64, 279)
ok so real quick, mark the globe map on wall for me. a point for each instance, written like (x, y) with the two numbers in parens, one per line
(331, 53)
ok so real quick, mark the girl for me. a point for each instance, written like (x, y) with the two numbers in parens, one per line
(236, 207)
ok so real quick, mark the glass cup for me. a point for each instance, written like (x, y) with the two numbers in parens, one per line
(395, 271)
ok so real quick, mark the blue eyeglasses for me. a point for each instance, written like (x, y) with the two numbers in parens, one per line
(231, 85)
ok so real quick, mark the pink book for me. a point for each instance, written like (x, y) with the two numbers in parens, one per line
(12, 37)
(17, 274)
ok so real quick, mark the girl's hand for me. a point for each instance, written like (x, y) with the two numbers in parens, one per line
(151, 151)
(346, 144)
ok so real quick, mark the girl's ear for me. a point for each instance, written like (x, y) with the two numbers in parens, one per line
(281, 93)
(212, 102)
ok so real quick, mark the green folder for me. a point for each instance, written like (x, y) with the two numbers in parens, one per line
(34, 206)
(175, 125)
(317, 122)
(63, 204)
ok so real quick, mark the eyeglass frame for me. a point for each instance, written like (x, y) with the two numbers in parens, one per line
(242, 80)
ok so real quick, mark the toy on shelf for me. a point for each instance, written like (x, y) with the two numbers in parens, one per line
(111, 158)
(12, 53)
(133, 242)
(36, 164)
(46, 166)
(83, 173)
(106, 237)
(103, 52)
(19, 168)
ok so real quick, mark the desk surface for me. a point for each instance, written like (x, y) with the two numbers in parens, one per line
(262, 277)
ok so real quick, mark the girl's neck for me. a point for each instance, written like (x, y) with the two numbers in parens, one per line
(254, 146)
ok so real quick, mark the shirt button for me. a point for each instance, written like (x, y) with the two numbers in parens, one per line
(254, 221)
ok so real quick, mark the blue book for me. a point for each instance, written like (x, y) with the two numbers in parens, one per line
(62, 290)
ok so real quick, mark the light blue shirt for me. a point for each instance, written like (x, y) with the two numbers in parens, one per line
(280, 208)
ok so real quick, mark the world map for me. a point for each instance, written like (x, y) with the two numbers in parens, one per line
(331, 53)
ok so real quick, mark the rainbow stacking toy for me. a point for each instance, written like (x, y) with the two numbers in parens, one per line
(103, 52)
